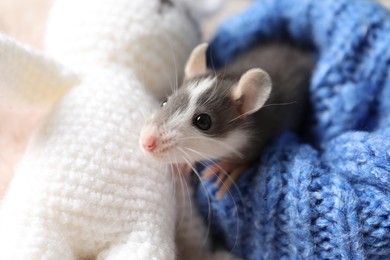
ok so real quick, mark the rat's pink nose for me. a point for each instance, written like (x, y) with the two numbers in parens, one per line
(149, 143)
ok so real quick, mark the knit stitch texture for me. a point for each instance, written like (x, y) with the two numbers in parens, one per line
(84, 189)
(323, 194)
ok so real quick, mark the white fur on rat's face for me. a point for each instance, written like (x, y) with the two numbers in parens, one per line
(172, 136)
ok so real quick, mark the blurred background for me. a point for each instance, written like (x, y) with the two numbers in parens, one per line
(25, 21)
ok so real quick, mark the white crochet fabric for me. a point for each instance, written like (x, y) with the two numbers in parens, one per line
(84, 189)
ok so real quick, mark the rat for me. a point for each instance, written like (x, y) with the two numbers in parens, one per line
(229, 115)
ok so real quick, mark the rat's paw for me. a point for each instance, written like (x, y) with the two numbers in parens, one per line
(182, 169)
(227, 173)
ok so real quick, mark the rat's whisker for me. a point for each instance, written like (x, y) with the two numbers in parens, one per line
(204, 156)
(189, 195)
(229, 147)
(171, 84)
(213, 69)
(218, 142)
(172, 180)
(176, 86)
(268, 105)
(168, 77)
(241, 197)
(222, 170)
(183, 183)
(210, 157)
(281, 104)
(204, 242)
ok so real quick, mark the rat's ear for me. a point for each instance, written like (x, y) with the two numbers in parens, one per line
(196, 64)
(252, 90)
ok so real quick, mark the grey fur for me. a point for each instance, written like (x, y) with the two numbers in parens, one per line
(290, 70)
(177, 102)
(217, 103)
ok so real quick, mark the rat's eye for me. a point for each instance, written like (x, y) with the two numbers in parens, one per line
(164, 103)
(202, 121)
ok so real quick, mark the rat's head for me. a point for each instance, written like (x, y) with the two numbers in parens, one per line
(205, 118)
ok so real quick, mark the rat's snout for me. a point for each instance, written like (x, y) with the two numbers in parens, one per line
(148, 140)
(150, 143)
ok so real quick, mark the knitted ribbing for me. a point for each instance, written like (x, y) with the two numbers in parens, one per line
(324, 194)
(84, 189)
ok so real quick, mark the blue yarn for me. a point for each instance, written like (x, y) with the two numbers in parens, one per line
(325, 193)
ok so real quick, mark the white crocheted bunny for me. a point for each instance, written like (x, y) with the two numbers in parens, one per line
(84, 190)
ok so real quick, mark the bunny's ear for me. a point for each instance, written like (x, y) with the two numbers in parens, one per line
(252, 91)
(196, 64)
(30, 76)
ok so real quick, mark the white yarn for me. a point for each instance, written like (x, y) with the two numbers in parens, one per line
(30, 75)
(148, 37)
(84, 189)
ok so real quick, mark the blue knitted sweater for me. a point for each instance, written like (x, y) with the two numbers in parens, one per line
(325, 193)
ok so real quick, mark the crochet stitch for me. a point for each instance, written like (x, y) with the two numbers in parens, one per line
(323, 194)
(84, 189)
